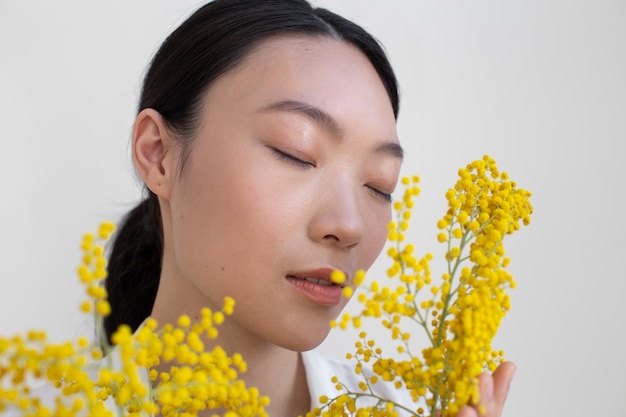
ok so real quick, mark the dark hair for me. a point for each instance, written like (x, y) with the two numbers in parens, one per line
(211, 42)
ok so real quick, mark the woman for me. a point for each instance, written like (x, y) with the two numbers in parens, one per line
(267, 143)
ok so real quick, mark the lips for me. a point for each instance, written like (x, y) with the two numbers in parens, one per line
(317, 286)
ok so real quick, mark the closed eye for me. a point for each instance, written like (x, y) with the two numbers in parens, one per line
(291, 159)
(386, 197)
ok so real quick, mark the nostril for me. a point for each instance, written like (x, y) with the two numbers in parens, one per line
(331, 237)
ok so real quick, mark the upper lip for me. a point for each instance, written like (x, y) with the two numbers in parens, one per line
(320, 273)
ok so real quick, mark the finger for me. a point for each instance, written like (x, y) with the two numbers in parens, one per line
(494, 390)
(468, 412)
(487, 406)
(502, 378)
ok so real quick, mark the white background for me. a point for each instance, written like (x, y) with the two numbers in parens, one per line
(539, 85)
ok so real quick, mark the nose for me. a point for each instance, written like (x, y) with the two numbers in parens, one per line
(337, 219)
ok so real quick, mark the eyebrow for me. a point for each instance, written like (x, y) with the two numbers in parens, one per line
(327, 122)
(316, 114)
(391, 148)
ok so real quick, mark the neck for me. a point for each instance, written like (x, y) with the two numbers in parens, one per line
(280, 375)
(277, 372)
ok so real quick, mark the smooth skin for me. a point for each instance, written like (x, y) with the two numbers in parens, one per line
(288, 175)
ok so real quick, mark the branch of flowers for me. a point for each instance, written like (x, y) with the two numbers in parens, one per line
(407, 347)
(466, 238)
(498, 243)
(452, 273)
(360, 365)
(400, 378)
(380, 400)
(421, 320)
(423, 323)
(428, 387)
(418, 317)
(440, 402)
(463, 244)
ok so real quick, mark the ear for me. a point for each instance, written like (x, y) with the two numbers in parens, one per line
(153, 153)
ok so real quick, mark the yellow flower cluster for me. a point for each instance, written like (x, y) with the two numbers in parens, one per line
(65, 365)
(164, 371)
(92, 271)
(194, 379)
(460, 315)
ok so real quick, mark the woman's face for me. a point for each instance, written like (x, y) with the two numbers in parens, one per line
(287, 179)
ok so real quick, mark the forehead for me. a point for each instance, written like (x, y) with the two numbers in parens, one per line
(327, 73)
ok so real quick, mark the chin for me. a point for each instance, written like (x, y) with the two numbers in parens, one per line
(304, 338)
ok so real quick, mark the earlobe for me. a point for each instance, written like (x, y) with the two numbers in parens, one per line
(150, 147)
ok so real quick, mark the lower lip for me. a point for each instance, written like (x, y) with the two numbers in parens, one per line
(327, 295)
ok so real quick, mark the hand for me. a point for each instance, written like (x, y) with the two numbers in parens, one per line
(493, 391)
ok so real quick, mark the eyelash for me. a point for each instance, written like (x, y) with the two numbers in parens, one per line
(296, 161)
(291, 159)
(379, 194)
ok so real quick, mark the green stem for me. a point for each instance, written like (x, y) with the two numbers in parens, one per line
(357, 395)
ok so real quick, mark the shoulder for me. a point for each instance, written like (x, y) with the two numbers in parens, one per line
(320, 370)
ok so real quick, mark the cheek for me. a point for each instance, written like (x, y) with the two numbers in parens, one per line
(226, 213)
(204, 218)
(193, 232)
